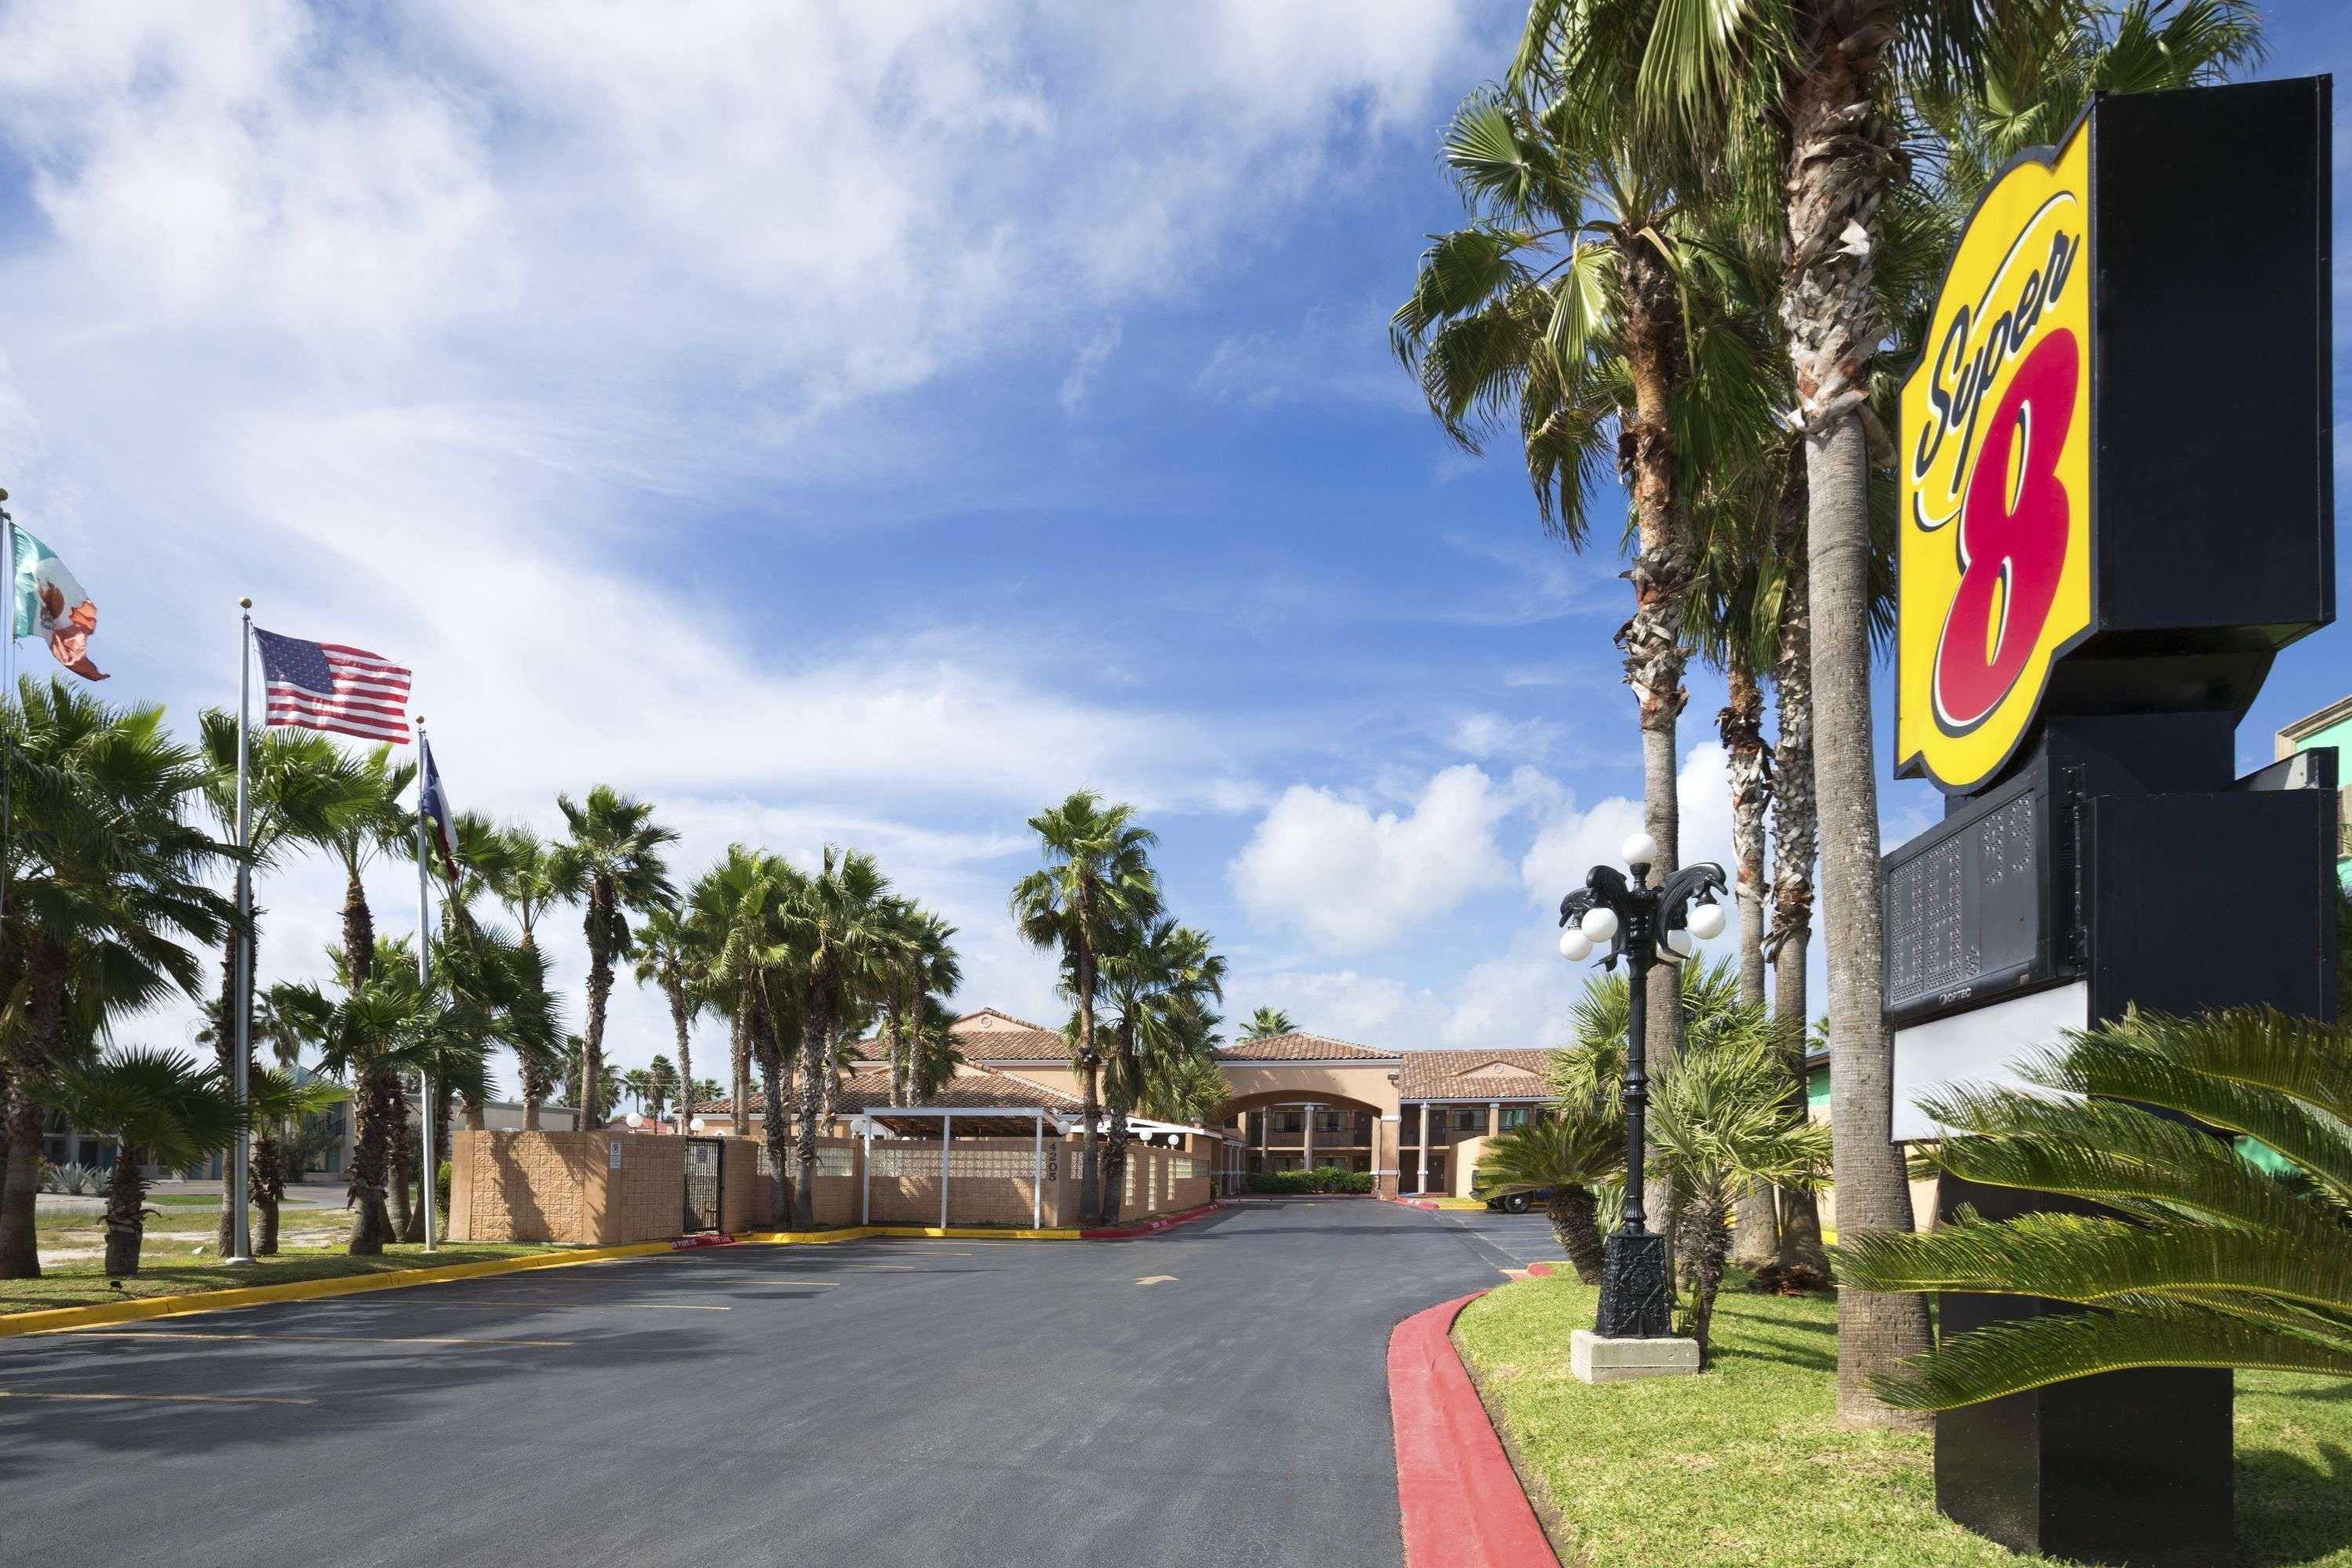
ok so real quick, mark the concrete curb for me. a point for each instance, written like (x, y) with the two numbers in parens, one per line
(51, 1318)
(1460, 1502)
(1150, 1227)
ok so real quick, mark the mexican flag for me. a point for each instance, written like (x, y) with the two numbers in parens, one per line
(51, 604)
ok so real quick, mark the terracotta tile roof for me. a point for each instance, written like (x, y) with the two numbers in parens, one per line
(1474, 1075)
(985, 1034)
(1298, 1046)
(976, 1089)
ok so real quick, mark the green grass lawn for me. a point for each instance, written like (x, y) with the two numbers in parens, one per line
(1746, 1466)
(83, 1283)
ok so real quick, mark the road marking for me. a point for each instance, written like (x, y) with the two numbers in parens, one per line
(1156, 1279)
(170, 1398)
(312, 1338)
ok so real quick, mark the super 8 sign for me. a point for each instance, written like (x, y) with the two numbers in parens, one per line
(1994, 557)
(2115, 450)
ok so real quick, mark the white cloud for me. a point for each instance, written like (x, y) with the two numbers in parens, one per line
(1485, 735)
(1351, 879)
(1577, 839)
(1078, 381)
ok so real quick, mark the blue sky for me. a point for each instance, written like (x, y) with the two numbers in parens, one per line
(863, 424)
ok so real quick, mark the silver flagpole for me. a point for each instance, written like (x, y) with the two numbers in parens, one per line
(240, 1176)
(7, 695)
(432, 1182)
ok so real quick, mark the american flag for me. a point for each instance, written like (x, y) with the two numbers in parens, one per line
(329, 686)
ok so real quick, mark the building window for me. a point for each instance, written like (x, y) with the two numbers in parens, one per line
(1514, 1116)
(1326, 1122)
(1289, 1120)
(1469, 1119)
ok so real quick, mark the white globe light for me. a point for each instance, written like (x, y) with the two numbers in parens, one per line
(1599, 924)
(1639, 849)
(696, 1124)
(634, 1120)
(1573, 945)
(1680, 944)
(1706, 922)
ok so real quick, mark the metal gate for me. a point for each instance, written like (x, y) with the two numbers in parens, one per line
(702, 1185)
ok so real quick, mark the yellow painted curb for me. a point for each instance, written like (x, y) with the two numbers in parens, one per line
(52, 1319)
(933, 1232)
(46, 1320)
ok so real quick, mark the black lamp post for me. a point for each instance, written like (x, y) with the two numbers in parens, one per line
(1644, 926)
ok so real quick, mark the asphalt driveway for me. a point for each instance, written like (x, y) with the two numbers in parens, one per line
(1215, 1395)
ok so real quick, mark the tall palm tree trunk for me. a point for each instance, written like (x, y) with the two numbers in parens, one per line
(37, 1041)
(1796, 836)
(815, 1051)
(1755, 1240)
(1090, 1070)
(685, 1056)
(378, 1100)
(538, 1083)
(900, 1068)
(601, 916)
(225, 1050)
(1651, 638)
(774, 1124)
(20, 1258)
(404, 1213)
(126, 1216)
(738, 1084)
(1114, 1190)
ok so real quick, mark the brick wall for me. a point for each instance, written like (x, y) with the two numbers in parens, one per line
(561, 1187)
(990, 1181)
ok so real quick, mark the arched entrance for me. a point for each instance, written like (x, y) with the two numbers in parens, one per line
(1307, 1129)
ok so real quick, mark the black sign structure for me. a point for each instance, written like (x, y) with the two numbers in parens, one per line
(1973, 910)
(2079, 856)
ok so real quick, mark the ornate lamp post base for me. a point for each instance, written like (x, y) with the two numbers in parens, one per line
(1635, 1304)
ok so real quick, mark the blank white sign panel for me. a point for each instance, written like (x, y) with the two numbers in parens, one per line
(1978, 1046)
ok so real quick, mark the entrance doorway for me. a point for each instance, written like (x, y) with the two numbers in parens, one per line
(702, 1185)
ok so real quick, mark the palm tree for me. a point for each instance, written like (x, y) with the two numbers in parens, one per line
(282, 1104)
(1724, 1122)
(838, 925)
(162, 1109)
(661, 1084)
(106, 882)
(2196, 1257)
(1266, 1022)
(1187, 1087)
(612, 862)
(707, 1089)
(734, 911)
(1578, 312)
(298, 786)
(1724, 1125)
(370, 823)
(668, 957)
(370, 1033)
(1798, 105)
(637, 1084)
(1161, 979)
(1573, 1150)
(522, 875)
(1095, 873)
(923, 965)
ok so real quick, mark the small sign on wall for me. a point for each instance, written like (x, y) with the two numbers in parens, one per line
(612, 1154)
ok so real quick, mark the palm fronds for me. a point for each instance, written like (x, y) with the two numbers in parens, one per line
(2198, 1257)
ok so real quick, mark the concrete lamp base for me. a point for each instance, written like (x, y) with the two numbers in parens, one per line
(1597, 1359)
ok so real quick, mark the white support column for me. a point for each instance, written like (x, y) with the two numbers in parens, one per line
(1494, 1117)
(1307, 1147)
(1420, 1177)
(1037, 1177)
(865, 1183)
(947, 1131)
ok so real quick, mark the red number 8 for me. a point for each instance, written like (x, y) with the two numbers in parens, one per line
(2011, 557)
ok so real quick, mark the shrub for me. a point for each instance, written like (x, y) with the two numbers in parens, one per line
(1322, 1179)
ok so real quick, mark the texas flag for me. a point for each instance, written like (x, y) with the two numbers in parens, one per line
(434, 802)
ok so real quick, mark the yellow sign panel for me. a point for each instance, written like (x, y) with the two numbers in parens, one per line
(1994, 550)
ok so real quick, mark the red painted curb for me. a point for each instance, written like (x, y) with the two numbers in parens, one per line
(704, 1238)
(1150, 1227)
(1413, 1204)
(1460, 1501)
(1539, 1270)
